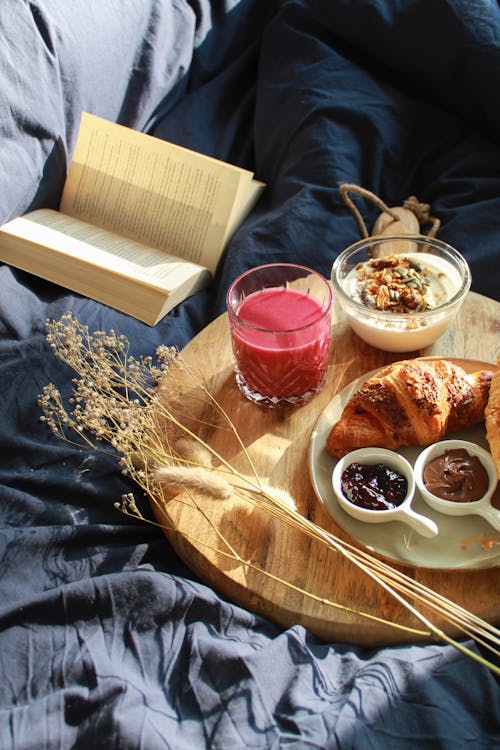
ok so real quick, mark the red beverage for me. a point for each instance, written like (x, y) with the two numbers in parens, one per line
(281, 340)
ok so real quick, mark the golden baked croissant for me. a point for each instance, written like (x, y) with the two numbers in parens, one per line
(411, 402)
(492, 417)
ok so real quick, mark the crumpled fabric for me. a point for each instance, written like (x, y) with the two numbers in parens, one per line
(106, 638)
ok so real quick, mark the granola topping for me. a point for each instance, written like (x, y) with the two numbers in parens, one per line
(399, 284)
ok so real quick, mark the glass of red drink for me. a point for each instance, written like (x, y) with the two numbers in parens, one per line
(280, 322)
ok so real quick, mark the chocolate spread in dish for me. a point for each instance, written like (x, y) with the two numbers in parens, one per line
(457, 476)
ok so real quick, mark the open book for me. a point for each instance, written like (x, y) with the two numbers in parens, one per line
(142, 222)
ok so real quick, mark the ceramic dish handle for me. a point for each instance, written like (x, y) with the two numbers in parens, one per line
(490, 514)
(421, 524)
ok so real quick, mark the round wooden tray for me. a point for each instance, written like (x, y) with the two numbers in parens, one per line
(265, 565)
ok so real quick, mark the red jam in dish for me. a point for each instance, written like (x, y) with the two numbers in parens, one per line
(373, 486)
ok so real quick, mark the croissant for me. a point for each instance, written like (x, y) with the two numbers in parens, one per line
(411, 402)
(492, 418)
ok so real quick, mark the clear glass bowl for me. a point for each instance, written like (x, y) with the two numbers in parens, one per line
(442, 265)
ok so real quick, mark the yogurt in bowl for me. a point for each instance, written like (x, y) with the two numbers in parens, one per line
(400, 301)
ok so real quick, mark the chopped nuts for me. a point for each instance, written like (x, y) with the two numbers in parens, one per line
(393, 283)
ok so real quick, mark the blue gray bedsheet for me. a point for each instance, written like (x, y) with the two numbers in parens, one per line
(106, 639)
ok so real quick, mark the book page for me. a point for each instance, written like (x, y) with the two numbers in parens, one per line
(243, 205)
(153, 191)
(102, 248)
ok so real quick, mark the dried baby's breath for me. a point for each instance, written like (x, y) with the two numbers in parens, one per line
(124, 406)
(114, 395)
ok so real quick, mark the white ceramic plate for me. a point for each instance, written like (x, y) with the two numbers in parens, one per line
(462, 542)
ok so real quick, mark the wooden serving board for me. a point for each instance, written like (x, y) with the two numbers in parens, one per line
(265, 565)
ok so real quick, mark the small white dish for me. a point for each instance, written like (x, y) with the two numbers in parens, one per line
(481, 507)
(403, 512)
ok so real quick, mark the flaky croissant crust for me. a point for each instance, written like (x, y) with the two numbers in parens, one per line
(492, 418)
(411, 402)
